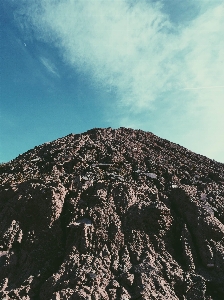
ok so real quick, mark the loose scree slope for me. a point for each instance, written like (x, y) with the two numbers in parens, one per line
(111, 214)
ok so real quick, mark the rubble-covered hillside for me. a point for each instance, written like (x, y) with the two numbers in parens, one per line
(111, 214)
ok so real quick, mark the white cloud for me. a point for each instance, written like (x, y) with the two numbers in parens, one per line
(122, 46)
(138, 51)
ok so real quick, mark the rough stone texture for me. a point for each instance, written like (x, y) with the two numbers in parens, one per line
(111, 214)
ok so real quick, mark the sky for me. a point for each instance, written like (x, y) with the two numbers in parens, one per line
(67, 66)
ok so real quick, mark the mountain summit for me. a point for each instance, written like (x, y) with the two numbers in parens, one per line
(111, 214)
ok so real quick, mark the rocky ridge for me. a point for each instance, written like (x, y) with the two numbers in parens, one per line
(111, 214)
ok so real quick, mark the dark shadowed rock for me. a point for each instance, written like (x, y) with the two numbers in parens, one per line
(111, 214)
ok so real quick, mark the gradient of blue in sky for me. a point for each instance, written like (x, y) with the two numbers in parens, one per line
(68, 66)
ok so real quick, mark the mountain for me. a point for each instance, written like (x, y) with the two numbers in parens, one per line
(111, 214)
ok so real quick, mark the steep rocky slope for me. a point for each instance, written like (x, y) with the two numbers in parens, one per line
(111, 214)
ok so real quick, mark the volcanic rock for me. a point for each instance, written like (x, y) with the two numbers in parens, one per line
(111, 214)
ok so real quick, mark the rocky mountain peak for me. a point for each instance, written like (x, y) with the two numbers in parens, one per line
(111, 214)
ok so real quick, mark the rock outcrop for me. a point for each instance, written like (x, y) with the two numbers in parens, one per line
(111, 214)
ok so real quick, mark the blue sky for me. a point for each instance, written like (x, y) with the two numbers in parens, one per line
(71, 65)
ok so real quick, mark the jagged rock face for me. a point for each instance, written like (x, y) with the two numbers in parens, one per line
(111, 214)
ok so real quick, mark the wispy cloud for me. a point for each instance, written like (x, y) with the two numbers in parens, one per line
(204, 87)
(135, 49)
(49, 66)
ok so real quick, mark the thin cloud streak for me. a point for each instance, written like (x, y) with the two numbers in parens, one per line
(49, 66)
(204, 87)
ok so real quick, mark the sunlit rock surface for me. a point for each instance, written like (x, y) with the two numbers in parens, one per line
(111, 214)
